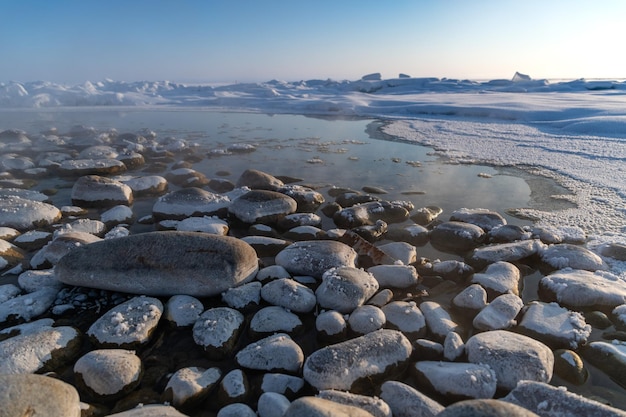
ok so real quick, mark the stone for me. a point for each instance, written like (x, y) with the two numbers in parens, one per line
(151, 410)
(308, 200)
(373, 405)
(82, 167)
(34, 395)
(127, 325)
(299, 219)
(272, 404)
(10, 255)
(106, 374)
(183, 310)
(366, 319)
(51, 254)
(406, 401)
(266, 246)
(395, 276)
(406, 317)
(412, 234)
(186, 177)
(402, 251)
(274, 319)
(438, 320)
(472, 299)
(483, 218)
(554, 325)
(570, 366)
(236, 410)
(28, 306)
(233, 388)
(361, 360)
(580, 289)
(609, 357)
(613, 250)
(32, 240)
(31, 280)
(117, 215)
(287, 385)
(319, 407)
(331, 325)
(40, 350)
(262, 206)
(485, 408)
(290, 294)
(566, 255)
(549, 401)
(203, 224)
(381, 298)
(513, 357)
(217, 331)
(276, 353)
(345, 288)
(93, 227)
(500, 314)
(162, 264)
(369, 213)
(24, 194)
(480, 257)
(457, 237)
(243, 297)
(426, 215)
(499, 278)
(98, 152)
(259, 180)
(96, 191)
(456, 380)
(189, 202)
(150, 185)
(315, 257)
(508, 233)
(272, 272)
(23, 214)
(453, 347)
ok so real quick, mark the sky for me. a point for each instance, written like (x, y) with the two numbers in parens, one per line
(229, 41)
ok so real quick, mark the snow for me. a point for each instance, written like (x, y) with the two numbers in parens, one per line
(573, 131)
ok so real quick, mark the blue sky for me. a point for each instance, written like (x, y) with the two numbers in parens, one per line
(73, 41)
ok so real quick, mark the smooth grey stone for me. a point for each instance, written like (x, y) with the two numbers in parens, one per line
(499, 278)
(217, 331)
(402, 251)
(438, 320)
(315, 257)
(272, 404)
(374, 405)
(513, 357)
(108, 373)
(500, 314)
(262, 206)
(308, 200)
(287, 385)
(548, 401)
(319, 407)
(413, 234)
(127, 325)
(236, 410)
(406, 401)
(456, 380)
(565, 255)
(51, 254)
(361, 360)
(456, 236)
(579, 289)
(508, 252)
(508, 233)
(96, 191)
(331, 325)
(233, 388)
(395, 276)
(554, 325)
(290, 294)
(89, 166)
(38, 395)
(150, 410)
(453, 347)
(485, 408)
(406, 317)
(149, 185)
(161, 263)
(473, 298)
(609, 357)
(23, 214)
(370, 213)
(43, 349)
(190, 385)
(259, 180)
(274, 319)
(345, 288)
(366, 319)
(189, 202)
(570, 366)
(276, 353)
(483, 218)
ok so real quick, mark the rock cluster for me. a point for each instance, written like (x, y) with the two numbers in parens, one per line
(243, 301)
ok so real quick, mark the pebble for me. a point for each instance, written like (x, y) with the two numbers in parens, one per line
(499, 278)
(233, 388)
(406, 401)
(457, 237)
(331, 325)
(287, 385)
(369, 213)
(183, 310)
(117, 215)
(610, 357)
(108, 373)
(483, 218)
(243, 297)
(395, 276)
(61, 245)
(453, 347)
(272, 404)
(32, 395)
(402, 251)
(472, 299)
(28, 306)
(480, 257)
(500, 314)
(485, 407)
(345, 288)
(276, 353)
(274, 319)
(189, 202)
(151, 410)
(554, 325)
(150, 185)
(191, 385)
(570, 366)
(217, 331)
(290, 294)
(97, 191)
(315, 257)
(259, 180)
(262, 206)
(23, 214)
(406, 317)
(236, 410)
(438, 320)
(366, 319)
(317, 407)
(375, 406)
(565, 255)
(456, 380)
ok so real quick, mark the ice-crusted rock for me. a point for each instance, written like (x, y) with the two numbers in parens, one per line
(395, 276)
(369, 213)
(217, 331)
(233, 388)
(513, 357)
(203, 224)
(147, 186)
(406, 317)
(290, 294)
(565, 255)
(244, 296)
(366, 319)
(91, 166)
(485, 408)
(284, 384)
(128, 324)
(499, 278)
(331, 325)
(190, 202)
(23, 214)
(262, 206)
(150, 410)
(97, 191)
(456, 380)
(456, 236)
(483, 218)
(315, 257)
(472, 299)
(93, 227)
(402, 251)
(554, 325)
(500, 314)
(117, 215)
(453, 347)
(272, 404)
(375, 406)
(308, 200)
(610, 357)
(28, 306)
(314, 407)
(507, 252)
(32, 395)
(274, 319)
(438, 320)
(183, 310)
(276, 353)
(548, 401)
(580, 289)
(161, 263)
(361, 360)
(61, 245)
(345, 288)
(406, 401)
(108, 373)
(259, 180)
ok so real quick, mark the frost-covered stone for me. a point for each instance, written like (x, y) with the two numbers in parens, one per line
(161, 263)
(299, 219)
(51, 254)
(331, 325)
(580, 289)
(381, 298)
(507, 252)
(499, 278)
(308, 200)
(96, 191)
(32, 240)
(375, 406)
(570, 366)
(453, 347)
(406, 317)
(483, 218)
(565, 255)
(116, 215)
(243, 296)
(500, 314)
(314, 407)
(150, 410)
(23, 214)
(189, 202)
(186, 177)
(274, 319)
(457, 236)
(413, 234)
(259, 180)
(315, 257)
(546, 400)
(93, 227)
(287, 385)
(32, 280)
(147, 186)
(128, 324)
(370, 213)
(272, 404)
(395, 276)
(366, 319)
(8, 291)
(485, 407)
(456, 380)
(406, 401)
(345, 288)
(38, 395)
(609, 357)
(361, 360)
(289, 294)
(508, 233)
(426, 215)
(233, 388)
(554, 325)
(473, 298)
(183, 310)
(276, 353)
(438, 320)
(108, 373)
(203, 224)
(262, 206)
(40, 350)
(402, 251)
(10, 255)
(28, 306)
(236, 410)
(272, 272)
(217, 331)
(513, 357)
